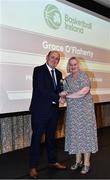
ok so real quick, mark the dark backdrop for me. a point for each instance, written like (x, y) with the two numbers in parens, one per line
(93, 6)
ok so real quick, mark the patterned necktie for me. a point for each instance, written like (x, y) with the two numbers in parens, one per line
(53, 78)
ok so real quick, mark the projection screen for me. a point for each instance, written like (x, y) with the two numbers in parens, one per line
(29, 29)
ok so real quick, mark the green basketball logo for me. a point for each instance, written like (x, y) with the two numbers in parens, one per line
(52, 16)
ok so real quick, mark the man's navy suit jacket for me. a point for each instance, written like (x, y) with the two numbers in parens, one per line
(43, 91)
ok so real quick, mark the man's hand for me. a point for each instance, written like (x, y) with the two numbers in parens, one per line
(62, 100)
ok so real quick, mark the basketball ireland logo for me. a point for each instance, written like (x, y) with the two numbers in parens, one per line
(52, 16)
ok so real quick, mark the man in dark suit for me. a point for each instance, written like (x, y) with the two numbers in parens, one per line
(44, 110)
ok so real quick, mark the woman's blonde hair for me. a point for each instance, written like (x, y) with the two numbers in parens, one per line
(68, 64)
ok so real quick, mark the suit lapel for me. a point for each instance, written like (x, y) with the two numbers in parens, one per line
(48, 75)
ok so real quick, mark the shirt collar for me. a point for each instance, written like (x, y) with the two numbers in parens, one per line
(49, 68)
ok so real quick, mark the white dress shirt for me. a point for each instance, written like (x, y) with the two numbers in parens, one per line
(49, 68)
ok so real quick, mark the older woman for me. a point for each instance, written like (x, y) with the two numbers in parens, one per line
(80, 125)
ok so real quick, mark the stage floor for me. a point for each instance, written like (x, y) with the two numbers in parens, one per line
(14, 165)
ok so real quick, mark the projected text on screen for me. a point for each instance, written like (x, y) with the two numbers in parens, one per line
(29, 30)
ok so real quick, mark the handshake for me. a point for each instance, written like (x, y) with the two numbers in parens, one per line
(62, 98)
(79, 94)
